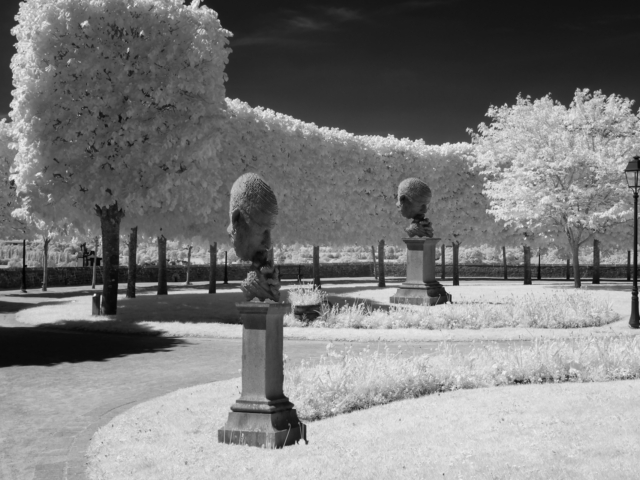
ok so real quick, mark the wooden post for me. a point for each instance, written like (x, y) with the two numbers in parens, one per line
(45, 262)
(456, 271)
(443, 250)
(316, 266)
(299, 273)
(162, 265)
(596, 262)
(23, 282)
(568, 269)
(225, 279)
(213, 264)
(373, 255)
(504, 262)
(187, 282)
(527, 264)
(95, 264)
(381, 279)
(133, 263)
(539, 270)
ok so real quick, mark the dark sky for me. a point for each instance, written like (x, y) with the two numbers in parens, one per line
(418, 69)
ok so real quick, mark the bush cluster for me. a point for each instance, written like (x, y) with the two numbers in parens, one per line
(343, 381)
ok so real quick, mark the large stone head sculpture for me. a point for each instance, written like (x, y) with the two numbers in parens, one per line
(252, 215)
(414, 197)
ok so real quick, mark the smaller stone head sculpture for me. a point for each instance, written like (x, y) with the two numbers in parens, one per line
(252, 214)
(414, 197)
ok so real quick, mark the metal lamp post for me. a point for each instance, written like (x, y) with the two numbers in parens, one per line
(631, 172)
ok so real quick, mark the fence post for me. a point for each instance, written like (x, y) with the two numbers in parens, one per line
(225, 279)
(596, 262)
(381, 282)
(316, 266)
(504, 261)
(527, 265)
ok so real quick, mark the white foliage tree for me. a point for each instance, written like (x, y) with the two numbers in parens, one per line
(117, 104)
(558, 171)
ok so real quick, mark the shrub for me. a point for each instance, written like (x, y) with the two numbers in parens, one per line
(344, 381)
(565, 309)
(306, 295)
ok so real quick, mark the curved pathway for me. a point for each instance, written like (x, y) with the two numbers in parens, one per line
(58, 387)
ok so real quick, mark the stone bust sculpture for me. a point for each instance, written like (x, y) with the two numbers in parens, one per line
(414, 197)
(252, 214)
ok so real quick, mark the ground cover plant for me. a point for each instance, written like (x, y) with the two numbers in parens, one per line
(345, 381)
(564, 309)
(306, 295)
(537, 430)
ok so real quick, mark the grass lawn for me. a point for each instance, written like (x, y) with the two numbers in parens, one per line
(192, 312)
(570, 430)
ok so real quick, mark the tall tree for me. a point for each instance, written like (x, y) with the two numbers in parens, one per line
(556, 170)
(117, 104)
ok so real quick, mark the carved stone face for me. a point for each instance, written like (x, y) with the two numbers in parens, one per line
(409, 208)
(413, 198)
(252, 213)
(251, 241)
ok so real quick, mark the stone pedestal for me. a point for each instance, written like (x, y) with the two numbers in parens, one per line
(262, 416)
(421, 286)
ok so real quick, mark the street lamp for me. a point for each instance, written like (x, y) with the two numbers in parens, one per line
(631, 172)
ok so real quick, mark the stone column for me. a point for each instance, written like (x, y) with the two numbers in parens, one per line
(421, 286)
(263, 416)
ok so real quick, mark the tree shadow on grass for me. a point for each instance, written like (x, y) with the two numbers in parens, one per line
(45, 346)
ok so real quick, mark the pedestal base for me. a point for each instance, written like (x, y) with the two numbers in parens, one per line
(263, 416)
(265, 430)
(431, 293)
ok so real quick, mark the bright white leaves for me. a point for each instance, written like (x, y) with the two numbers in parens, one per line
(116, 100)
(558, 171)
(334, 187)
(9, 226)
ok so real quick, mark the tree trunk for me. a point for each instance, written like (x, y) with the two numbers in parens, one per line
(504, 262)
(527, 264)
(456, 272)
(162, 265)
(381, 279)
(576, 266)
(316, 266)
(188, 264)
(596, 262)
(110, 224)
(568, 269)
(225, 280)
(23, 281)
(539, 269)
(133, 263)
(213, 263)
(443, 250)
(95, 261)
(373, 255)
(45, 262)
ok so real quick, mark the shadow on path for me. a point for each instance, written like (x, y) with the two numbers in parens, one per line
(47, 347)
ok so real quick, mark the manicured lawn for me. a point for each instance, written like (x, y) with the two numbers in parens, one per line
(575, 430)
